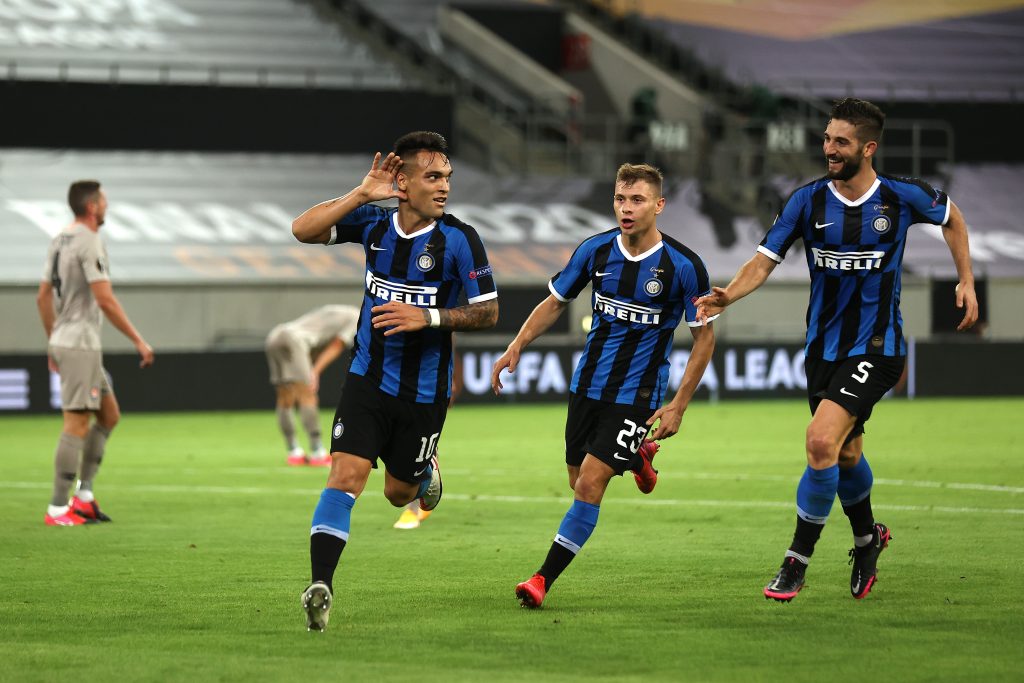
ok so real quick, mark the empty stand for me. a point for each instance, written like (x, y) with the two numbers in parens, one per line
(943, 59)
(228, 42)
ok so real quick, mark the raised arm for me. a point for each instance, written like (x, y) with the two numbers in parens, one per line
(314, 225)
(955, 234)
(749, 277)
(540, 320)
(111, 307)
(671, 414)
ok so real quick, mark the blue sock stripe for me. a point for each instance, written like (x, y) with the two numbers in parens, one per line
(855, 483)
(816, 493)
(578, 523)
(333, 514)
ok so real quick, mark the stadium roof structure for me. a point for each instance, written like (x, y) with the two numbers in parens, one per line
(873, 49)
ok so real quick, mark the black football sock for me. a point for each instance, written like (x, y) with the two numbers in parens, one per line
(862, 519)
(805, 537)
(324, 553)
(555, 563)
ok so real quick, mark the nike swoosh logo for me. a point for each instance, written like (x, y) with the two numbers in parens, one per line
(619, 457)
(819, 226)
(416, 474)
(374, 247)
(600, 274)
(842, 390)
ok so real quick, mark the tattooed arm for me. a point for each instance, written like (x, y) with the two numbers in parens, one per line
(399, 317)
(478, 316)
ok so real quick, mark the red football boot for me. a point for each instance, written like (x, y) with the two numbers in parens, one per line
(88, 510)
(532, 591)
(646, 477)
(69, 518)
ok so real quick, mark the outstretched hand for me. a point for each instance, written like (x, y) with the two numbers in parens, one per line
(509, 359)
(710, 305)
(671, 417)
(967, 298)
(379, 183)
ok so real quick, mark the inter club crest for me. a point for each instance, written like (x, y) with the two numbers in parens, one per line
(425, 262)
(881, 224)
(653, 286)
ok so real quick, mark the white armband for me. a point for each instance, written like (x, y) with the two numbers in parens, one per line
(435, 317)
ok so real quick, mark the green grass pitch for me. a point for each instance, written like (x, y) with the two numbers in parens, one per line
(198, 577)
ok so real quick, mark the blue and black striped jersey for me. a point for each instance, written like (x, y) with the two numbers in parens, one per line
(855, 254)
(638, 303)
(428, 268)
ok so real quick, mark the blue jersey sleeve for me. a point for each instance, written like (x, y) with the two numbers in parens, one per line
(693, 283)
(353, 226)
(472, 267)
(787, 228)
(567, 284)
(927, 204)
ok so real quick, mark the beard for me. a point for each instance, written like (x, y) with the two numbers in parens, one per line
(849, 169)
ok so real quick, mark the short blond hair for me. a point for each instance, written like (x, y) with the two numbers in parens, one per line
(630, 173)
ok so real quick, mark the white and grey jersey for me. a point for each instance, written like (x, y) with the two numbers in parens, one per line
(77, 257)
(320, 326)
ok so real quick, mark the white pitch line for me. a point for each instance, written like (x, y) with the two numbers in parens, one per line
(712, 476)
(913, 483)
(486, 498)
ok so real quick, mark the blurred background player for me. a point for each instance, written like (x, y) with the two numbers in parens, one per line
(419, 260)
(413, 514)
(74, 291)
(854, 224)
(291, 347)
(644, 284)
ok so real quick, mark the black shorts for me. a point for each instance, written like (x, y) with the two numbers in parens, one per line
(856, 383)
(372, 424)
(610, 432)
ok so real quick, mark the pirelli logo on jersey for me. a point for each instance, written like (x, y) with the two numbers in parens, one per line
(631, 313)
(417, 295)
(847, 260)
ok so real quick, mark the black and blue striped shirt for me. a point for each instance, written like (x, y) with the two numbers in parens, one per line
(854, 252)
(428, 268)
(638, 303)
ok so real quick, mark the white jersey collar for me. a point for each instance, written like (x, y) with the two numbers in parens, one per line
(641, 257)
(860, 200)
(401, 233)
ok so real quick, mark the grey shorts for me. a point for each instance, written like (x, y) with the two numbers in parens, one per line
(288, 358)
(83, 379)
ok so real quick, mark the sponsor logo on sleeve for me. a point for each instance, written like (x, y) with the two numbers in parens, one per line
(480, 272)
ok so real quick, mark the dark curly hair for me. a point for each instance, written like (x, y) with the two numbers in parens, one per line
(410, 143)
(865, 116)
